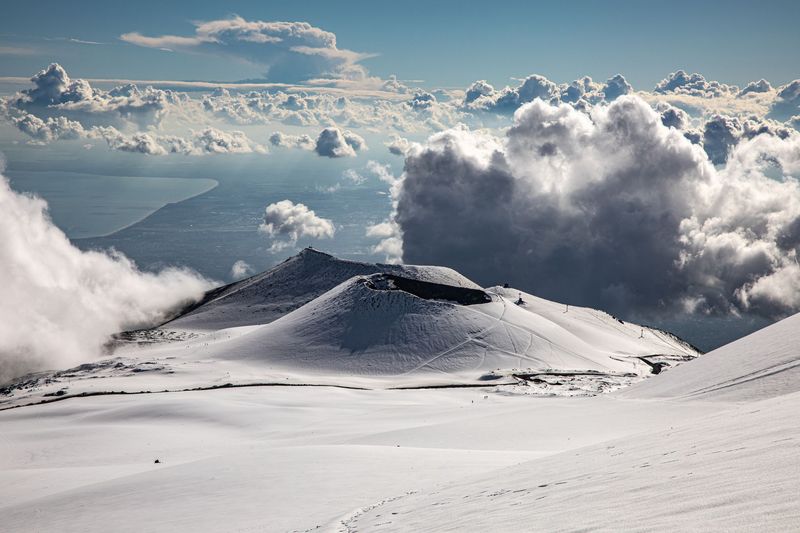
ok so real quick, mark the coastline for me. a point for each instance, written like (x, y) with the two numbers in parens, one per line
(106, 208)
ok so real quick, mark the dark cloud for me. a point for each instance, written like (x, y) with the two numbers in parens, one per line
(610, 209)
(576, 90)
(509, 99)
(476, 90)
(673, 117)
(722, 133)
(422, 100)
(581, 93)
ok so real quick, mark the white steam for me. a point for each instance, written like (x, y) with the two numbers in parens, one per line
(59, 304)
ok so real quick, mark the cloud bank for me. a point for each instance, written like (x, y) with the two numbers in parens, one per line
(60, 305)
(55, 94)
(481, 96)
(155, 122)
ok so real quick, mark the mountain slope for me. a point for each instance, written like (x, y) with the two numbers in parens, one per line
(265, 297)
(379, 325)
(762, 365)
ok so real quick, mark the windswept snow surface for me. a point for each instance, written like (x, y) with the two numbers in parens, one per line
(275, 459)
(736, 470)
(328, 459)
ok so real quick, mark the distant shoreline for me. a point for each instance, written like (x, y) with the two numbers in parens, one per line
(62, 204)
(211, 187)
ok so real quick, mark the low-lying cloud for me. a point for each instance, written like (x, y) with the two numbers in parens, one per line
(241, 269)
(55, 94)
(59, 304)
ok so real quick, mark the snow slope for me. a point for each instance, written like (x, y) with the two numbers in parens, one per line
(736, 470)
(366, 326)
(762, 365)
(265, 297)
(275, 459)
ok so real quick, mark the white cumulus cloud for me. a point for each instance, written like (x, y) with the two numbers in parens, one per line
(290, 221)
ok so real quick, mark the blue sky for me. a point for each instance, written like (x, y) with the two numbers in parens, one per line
(446, 44)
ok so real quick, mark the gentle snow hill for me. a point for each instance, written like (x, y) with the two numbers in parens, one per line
(265, 297)
(385, 325)
(762, 365)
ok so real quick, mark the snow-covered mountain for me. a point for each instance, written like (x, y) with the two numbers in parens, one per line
(322, 314)
(315, 319)
(265, 297)
(369, 325)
